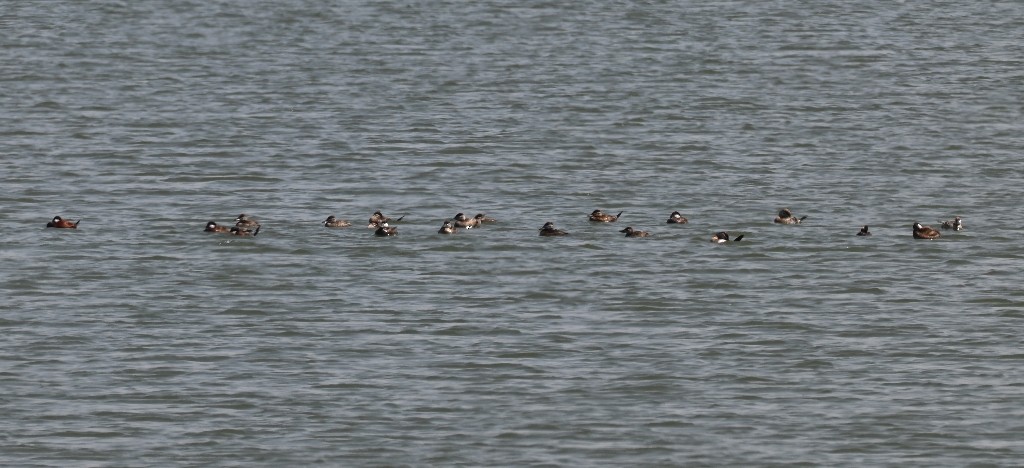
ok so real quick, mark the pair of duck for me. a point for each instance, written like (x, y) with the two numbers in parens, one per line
(460, 221)
(928, 232)
(245, 226)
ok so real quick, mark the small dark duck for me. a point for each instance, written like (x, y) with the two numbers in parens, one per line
(461, 221)
(245, 221)
(955, 224)
(61, 223)
(549, 230)
(385, 231)
(630, 232)
(448, 228)
(676, 218)
(786, 217)
(243, 232)
(722, 237)
(484, 219)
(600, 217)
(925, 232)
(864, 231)
(378, 219)
(333, 222)
(214, 227)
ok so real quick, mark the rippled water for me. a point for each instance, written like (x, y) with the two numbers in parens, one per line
(139, 340)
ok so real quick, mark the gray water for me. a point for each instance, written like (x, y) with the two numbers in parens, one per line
(139, 340)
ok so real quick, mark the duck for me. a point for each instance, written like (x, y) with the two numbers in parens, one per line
(955, 224)
(600, 217)
(549, 230)
(244, 221)
(61, 223)
(333, 222)
(448, 228)
(484, 219)
(722, 237)
(630, 232)
(864, 231)
(676, 218)
(243, 232)
(212, 226)
(385, 231)
(461, 221)
(378, 219)
(925, 232)
(786, 217)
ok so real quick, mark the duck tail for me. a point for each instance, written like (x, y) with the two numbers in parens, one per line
(803, 217)
(738, 238)
(257, 231)
(76, 223)
(399, 218)
(617, 216)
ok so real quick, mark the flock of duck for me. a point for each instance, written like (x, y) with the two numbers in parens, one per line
(246, 226)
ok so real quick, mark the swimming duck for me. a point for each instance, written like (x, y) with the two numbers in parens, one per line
(955, 224)
(237, 231)
(461, 221)
(484, 219)
(864, 231)
(448, 228)
(600, 217)
(549, 230)
(924, 232)
(676, 218)
(61, 223)
(333, 222)
(630, 232)
(384, 231)
(378, 219)
(244, 221)
(786, 217)
(214, 227)
(722, 237)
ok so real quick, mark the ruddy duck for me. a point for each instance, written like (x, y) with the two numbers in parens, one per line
(723, 237)
(786, 217)
(630, 232)
(384, 231)
(61, 223)
(484, 219)
(676, 218)
(864, 231)
(242, 232)
(461, 221)
(213, 227)
(378, 219)
(924, 232)
(448, 228)
(333, 222)
(956, 224)
(549, 230)
(244, 221)
(600, 217)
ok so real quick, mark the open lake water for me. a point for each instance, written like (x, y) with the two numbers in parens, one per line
(139, 340)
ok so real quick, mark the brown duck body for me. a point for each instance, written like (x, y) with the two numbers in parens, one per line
(676, 218)
(786, 217)
(61, 223)
(461, 221)
(378, 219)
(448, 228)
(864, 231)
(333, 222)
(925, 232)
(630, 232)
(599, 216)
(245, 221)
(484, 219)
(214, 227)
(549, 230)
(243, 232)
